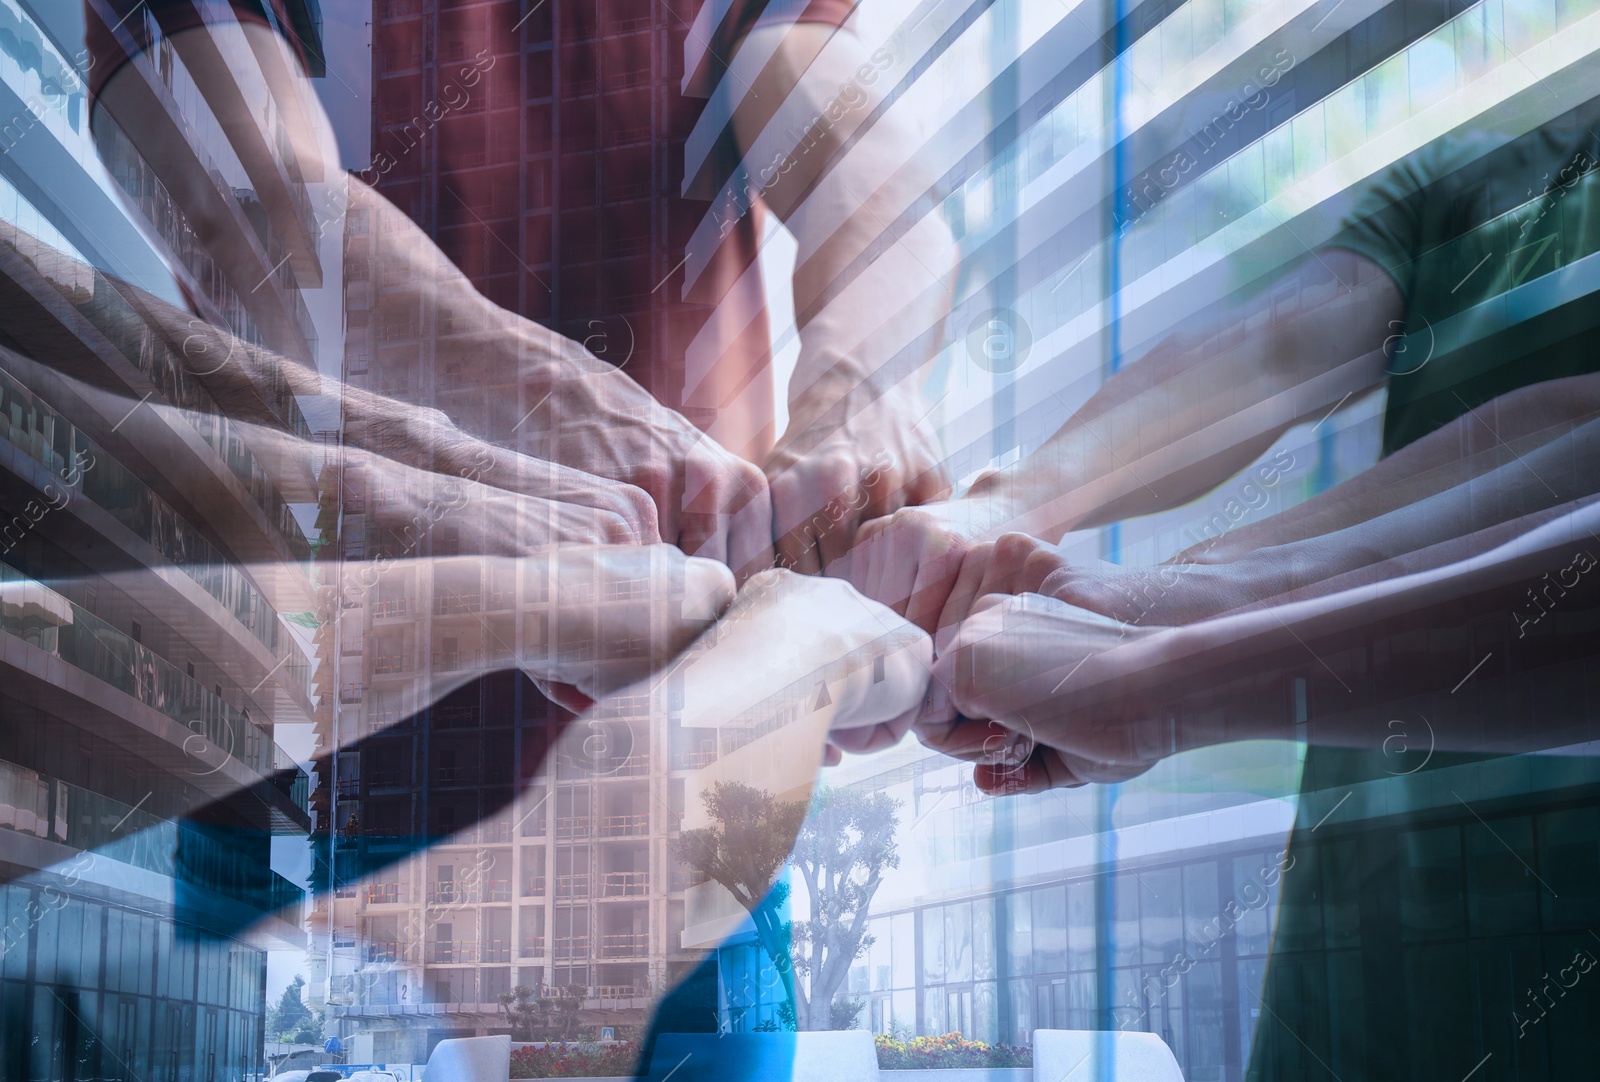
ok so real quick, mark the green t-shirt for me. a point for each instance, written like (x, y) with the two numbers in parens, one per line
(1387, 962)
(1493, 245)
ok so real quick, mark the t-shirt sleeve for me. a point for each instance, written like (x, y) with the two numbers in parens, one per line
(1386, 222)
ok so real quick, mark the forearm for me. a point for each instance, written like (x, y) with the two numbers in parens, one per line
(1480, 444)
(1458, 523)
(1205, 403)
(875, 267)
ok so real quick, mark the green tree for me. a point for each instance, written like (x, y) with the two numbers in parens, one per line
(841, 850)
(744, 848)
(290, 1014)
(545, 1013)
(845, 846)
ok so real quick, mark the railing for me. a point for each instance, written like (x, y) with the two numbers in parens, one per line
(496, 833)
(624, 884)
(625, 826)
(45, 807)
(453, 953)
(454, 660)
(624, 944)
(533, 886)
(572, 826)
(568, 947)
(572, 886)
(532, 946)
(449, 603)
(497, 890)
(449, 891)
(382, 953)
(496, 950)
(39, 432)
(453, 775)
(694, 760)
(384, 894)
(89, 644)
(385, 664)
(501, 599)
(391, 608)
(619, 991)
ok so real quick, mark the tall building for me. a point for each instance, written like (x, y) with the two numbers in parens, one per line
(144, 666)
(1128, 174)
(560, 203)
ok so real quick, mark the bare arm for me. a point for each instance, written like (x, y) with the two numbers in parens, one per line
(1199, 407)
(872, 285)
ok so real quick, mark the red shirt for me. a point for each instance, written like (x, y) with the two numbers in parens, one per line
(542, 146)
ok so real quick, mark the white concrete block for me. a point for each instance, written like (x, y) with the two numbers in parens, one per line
(1073, 1055)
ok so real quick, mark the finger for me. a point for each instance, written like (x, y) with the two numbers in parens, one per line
(835, 544)
(1045, 770)
(702, 526)
(966, 590)
(937, 570)
(796, 544)
(831, 755)
(750, 547)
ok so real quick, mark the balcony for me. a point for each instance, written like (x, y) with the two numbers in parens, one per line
(572, 826)
(392, 608)
(379, 953)
(496, 950)
(450, 892)
(448, 953)
(89, 644)
(625, 945)
(625, 826)
(454, 660)
(496, 890)
(532, 946)
(449, 603)
(498, 833)
(694, 760)
(500, 599)
(534, 886)
(572, 886)
(454, 775)
(384, 894)
(624, 884)
(388, 664)
(619, 991)
(570, 947)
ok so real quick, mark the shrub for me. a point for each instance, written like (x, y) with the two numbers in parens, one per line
(950, 1050)
(575, 1060)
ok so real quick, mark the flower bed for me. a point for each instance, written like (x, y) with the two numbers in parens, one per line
(615, 1058)
(950, 1050)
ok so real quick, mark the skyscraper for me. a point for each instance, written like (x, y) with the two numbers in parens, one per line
(143, 664)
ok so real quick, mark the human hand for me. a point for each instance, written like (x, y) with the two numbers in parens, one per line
(602, 617)
(840, 466)
(1010, 693)
(910, 560)
(1170, 594)
(551, 398)
(786, 640)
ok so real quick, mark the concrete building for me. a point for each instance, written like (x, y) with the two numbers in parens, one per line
(1062, 132)
(143, 665)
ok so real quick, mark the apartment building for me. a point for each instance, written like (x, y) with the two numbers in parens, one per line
(1101, 169)
(144, 663)
(485, 846)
